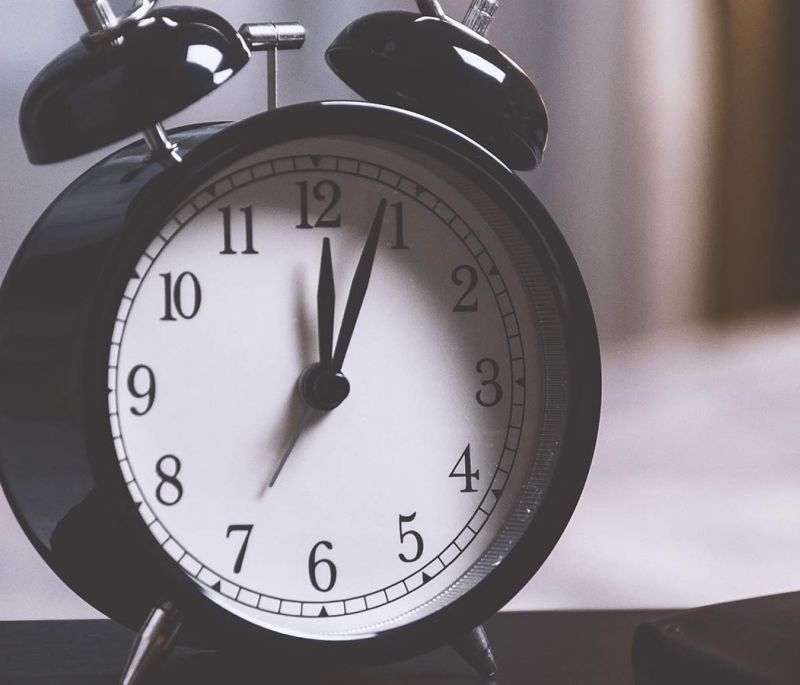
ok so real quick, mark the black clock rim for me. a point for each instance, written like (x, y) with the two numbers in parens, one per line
(210, 625)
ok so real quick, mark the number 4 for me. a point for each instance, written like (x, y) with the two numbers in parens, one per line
(467, 474)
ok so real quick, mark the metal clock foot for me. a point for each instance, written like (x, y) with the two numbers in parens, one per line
(475, 649)
(152, 644)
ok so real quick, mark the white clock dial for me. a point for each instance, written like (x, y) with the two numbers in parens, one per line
(386, 501)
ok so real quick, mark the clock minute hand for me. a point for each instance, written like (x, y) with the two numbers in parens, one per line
(358, 289)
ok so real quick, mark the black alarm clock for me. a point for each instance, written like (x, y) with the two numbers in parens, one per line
(320, 385)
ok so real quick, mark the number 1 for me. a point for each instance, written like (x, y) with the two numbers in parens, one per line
(400, 236)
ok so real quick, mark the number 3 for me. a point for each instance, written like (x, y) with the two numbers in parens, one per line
(491, 391)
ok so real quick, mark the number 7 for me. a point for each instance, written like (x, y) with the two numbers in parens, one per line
(246, 529)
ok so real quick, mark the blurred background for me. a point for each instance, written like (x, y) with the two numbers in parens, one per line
(673, 171)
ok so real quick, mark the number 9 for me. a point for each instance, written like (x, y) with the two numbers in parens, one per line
(149, 390)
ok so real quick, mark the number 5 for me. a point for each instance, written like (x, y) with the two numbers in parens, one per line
(410, 533)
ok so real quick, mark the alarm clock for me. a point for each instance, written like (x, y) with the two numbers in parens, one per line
(320, 385)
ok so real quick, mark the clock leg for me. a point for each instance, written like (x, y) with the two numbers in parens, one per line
(475, 649)
(152, 644)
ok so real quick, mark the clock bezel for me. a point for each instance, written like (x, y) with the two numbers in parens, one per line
(208, 624)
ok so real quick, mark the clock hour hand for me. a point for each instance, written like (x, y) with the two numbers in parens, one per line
(358, 289)
(326, 299)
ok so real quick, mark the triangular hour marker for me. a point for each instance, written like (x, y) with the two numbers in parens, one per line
(323, 613)
(521, 381)
(493, 271)
(136, 274)
(316, 159)
(212, 191)
(497, 493)
(217, 586)
(425, 578)
(420, 190)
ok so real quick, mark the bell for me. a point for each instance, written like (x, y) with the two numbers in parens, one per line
(125, 77)
(435, 66)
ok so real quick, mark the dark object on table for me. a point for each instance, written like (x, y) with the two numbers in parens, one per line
(751, 642)
(561, 648)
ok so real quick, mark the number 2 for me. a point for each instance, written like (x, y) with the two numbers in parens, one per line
(466, 275)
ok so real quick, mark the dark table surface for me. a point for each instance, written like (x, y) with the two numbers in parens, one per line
(545, 648)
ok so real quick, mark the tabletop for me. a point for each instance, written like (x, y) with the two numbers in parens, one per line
(560, 648)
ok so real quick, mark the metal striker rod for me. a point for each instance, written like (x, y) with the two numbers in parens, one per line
(98, 16)
(269, 38)
(480, 14)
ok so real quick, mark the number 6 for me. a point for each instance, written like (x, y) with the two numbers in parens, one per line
(314, 563)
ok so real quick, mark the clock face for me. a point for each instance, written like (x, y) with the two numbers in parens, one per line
(337, 523)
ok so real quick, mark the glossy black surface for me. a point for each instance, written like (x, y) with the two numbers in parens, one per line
(443, 70)
(93, 95)
(57, 310)
(45, 331)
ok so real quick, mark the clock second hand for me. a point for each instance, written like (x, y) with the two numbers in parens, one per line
(305, 419)
(325, 303)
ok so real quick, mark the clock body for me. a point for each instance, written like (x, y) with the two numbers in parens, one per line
(153, 328)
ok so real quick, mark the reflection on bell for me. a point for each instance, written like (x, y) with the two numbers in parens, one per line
(98, 92)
